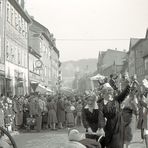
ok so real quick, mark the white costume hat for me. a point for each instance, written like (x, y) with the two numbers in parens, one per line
(107, 86)
(145, 83)
(74, 135)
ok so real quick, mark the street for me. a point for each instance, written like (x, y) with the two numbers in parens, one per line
(56, 139)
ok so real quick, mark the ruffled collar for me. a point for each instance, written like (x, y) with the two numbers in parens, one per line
(95, 106)
(110, 99)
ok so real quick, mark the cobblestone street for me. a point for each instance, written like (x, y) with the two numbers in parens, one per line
(58, 139)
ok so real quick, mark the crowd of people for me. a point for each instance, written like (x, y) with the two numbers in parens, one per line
(110, 113)
(39, 111)
(114, 111)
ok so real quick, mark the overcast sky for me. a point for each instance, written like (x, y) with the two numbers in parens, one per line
(100, 24)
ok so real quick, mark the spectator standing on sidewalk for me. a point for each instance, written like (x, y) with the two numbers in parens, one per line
(52, 117)
(61, 111)
(25, 111)
(79, 113)
(18, 108)
(69, 114)
(38, 114)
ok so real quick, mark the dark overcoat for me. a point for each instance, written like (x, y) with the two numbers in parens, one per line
(114, 134)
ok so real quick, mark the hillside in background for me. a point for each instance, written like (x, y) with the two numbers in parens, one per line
(69, 69)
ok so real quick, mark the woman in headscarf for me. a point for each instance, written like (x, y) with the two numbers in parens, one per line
(69, 114)
(93, 119)
(114, 136)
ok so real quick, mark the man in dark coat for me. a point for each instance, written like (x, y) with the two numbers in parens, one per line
(112, 112)
(61, 111)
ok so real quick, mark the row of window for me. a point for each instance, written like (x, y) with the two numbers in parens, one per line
(47, 72)
(16, 20)
(44, 49)
(16, 54)
(32, 66)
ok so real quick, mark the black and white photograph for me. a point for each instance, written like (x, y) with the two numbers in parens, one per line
(73, 73)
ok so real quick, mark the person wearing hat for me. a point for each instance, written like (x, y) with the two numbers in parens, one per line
(112, 112)
(78, 140)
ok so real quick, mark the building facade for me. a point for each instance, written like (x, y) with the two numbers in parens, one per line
(55, 71)
(146, 66)
(2, 51)
(42, 41)
(136, 61)
(14, 47)
(110, 61)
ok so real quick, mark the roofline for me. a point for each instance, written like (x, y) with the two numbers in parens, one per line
(44, 33)
(138, 42)
(116, 50)
(21, 10)
(40, 24)
(55, 49)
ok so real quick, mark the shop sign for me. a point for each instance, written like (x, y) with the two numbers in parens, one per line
(38, 64)
(34, 76)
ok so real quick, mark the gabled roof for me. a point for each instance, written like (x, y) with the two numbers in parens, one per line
(40, 29)
(133, 42)
(146, 34)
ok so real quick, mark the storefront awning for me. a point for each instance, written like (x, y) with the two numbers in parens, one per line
(34, 85)
(43, 89)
